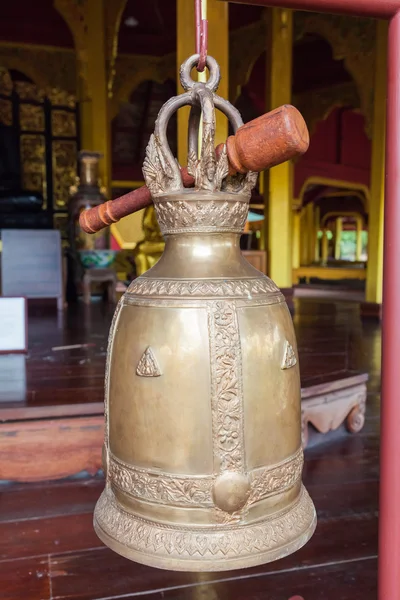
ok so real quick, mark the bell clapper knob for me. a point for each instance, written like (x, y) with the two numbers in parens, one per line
(231, 491)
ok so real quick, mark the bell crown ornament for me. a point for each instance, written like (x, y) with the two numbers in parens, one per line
(202, 454)
(218, 201)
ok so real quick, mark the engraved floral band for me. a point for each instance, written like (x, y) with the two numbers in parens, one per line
(151, 486)
(238, 288)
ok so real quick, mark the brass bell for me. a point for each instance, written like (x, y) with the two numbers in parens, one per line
(202, 452)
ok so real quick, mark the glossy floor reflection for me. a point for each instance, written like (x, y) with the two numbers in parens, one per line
(47, 545)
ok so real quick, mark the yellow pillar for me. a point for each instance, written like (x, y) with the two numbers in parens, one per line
(94, 109)
(375, 226)
(303, 238)
(316, 238)
(218, 41)
(296, 218)
(309, 234)
(338, 235)
(359, 229)
(280, 178)
(324, 247)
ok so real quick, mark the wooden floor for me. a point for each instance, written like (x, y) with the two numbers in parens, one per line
(47, 545)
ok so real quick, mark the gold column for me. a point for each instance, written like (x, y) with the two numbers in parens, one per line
(218, 41)
(94, 113)
(338, 235)
(310, 233)
(279, 87)
(375, 227)
(296, 218)
(316, 230)
(325, 247)
(359, 229)
(303, 238)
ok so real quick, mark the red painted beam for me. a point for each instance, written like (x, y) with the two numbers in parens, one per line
(389, 512)
(379, 9)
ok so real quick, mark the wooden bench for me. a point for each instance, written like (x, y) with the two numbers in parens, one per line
(328, 402)
(328, 273)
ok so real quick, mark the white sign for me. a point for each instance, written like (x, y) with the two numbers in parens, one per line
(31, 264)
(13, 325)
(12, 378)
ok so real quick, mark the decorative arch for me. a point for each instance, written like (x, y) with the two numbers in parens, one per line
(363, 190)
(351, 40)
(47, 68)
(355, 193)
(114, 12)
(252, 37)
(317, 107)
(333, 215)
(133, 125)
(76, 17)
(131, 71)
(32, 71)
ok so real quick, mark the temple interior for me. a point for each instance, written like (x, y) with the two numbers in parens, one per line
(81, 85)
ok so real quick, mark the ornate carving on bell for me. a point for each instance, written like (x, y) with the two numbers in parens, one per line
(202, 451)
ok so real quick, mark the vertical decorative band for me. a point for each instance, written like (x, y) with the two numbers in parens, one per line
(226, 387)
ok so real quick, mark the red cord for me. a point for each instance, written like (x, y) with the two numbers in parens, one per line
(201, 36)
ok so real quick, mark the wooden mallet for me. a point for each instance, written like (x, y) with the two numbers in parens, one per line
(265, 142)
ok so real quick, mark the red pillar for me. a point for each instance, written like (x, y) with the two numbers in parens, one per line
(389, 513)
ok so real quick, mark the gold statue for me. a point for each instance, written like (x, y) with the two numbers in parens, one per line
(150, 249)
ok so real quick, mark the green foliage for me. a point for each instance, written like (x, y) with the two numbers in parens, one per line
(348, 245)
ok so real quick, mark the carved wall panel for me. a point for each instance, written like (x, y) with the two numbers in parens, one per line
(31, 117)
(63, 123)
(59, 97)
(33, 165)
(64, 155)
(29, 91)
(6, 84)
(45, 122)
(6, 116)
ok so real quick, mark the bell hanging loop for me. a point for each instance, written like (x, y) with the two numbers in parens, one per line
(213, 80)
(161, 170)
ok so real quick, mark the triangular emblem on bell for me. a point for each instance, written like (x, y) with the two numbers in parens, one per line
(148, 366)
(289, 358)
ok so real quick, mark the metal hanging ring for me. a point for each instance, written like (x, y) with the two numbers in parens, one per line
(212, 66)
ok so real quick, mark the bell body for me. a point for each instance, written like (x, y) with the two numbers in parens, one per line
(203, 454)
